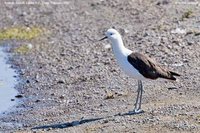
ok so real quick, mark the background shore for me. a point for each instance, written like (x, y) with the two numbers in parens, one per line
(69, 78)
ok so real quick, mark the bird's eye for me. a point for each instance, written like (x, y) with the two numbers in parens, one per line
(111, 34)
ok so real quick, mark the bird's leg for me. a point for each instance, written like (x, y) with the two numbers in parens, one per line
(138, 102)
(141, 91)
(138, 95)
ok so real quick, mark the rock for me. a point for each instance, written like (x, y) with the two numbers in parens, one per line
(29, 46)
(163, 2)
(178, 31)
(27, 81)
(190, 41)
(61, 82)
(37, 100)
(109, 96)
(172, 88)
(61, 97)
(52, 94)
(197, 34)
(12, 99)
(19, 96)
(107, 46)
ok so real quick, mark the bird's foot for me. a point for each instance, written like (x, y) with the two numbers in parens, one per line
(136, 111)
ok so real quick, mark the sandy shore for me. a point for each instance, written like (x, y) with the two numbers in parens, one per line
(71, 83)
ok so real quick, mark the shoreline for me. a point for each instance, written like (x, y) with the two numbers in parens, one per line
(8, 81)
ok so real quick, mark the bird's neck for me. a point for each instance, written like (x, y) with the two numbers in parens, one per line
(119, 48)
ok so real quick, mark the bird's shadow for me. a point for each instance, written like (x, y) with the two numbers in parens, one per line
(68, 124)
(76, 122)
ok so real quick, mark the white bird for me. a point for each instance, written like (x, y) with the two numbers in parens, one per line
(136, 65)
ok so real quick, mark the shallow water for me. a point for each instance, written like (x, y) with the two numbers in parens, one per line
(7, 83)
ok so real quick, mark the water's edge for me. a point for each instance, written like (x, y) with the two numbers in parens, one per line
(7, 83)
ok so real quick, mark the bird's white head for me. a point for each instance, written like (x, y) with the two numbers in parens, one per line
(117, 43)
(113, 35)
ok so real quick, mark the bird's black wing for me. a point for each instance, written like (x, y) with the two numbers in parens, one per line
(148, 68)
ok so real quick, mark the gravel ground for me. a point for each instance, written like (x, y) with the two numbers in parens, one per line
(70, 82)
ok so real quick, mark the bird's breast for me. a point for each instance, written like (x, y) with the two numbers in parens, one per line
(122, 60)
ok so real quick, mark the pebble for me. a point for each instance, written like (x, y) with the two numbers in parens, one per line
(62, 97)
(190, 42)
(178, 31)
(163, 2)
(27, 81)
(29, 46)
(12, 99)
(37, 100)
(107, 46)
(61, 82)
(19, 96)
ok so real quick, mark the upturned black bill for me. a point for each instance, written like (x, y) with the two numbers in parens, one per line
(103, 38)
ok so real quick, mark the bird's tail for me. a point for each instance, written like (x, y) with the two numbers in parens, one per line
(170, 75)
(174, 74)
